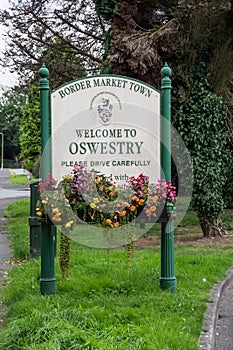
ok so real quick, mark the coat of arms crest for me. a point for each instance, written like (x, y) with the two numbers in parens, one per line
(105, 111)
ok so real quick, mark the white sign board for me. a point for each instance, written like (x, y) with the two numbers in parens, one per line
(109, 123)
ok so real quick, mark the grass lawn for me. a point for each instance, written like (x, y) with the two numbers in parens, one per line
(20, 179)
(106, 306)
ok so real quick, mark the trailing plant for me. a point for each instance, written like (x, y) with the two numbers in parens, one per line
(64, 253)
(52, 207)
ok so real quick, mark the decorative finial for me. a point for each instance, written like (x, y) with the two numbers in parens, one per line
(166, 70)
(44, 72)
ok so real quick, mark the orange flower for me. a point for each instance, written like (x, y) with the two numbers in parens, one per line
(126, 205)
(155, 198)
(56, 218)
(132, 207)
(108, 222)
(116, 224)
(122, 213)
(153, 208)
(111, 194)
(135, 199)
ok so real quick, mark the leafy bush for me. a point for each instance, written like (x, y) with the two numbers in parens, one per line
(200, 121)
(30, 138)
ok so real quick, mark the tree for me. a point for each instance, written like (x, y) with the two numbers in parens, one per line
(10, 115)
(67, 35)
(139, 36)
(63, 64)
(186, 34)
(36, 28)
(30, 136)
(200, 120)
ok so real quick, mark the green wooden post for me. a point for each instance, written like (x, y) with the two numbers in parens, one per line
(47, 280)
(167, 279)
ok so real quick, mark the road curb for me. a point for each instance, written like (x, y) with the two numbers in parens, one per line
(207, 337)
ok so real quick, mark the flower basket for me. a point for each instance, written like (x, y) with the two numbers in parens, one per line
(92, 198)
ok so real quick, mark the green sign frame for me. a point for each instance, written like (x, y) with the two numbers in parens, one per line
(167, 278)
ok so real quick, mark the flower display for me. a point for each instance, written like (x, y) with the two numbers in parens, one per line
(53, 204)
(85, 196)
(166, 190)
(91, 197)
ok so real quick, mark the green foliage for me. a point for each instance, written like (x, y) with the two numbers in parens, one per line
(200, 121)
(11, 104)
(106, 8)
(58, 51)
(106, 69)
(30, 138)
(228, 188)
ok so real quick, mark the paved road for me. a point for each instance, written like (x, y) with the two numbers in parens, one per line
(224, 321)
(8, 194)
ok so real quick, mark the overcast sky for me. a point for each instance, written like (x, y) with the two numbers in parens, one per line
(7, 79)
